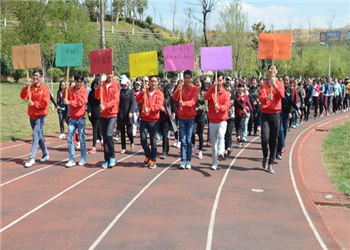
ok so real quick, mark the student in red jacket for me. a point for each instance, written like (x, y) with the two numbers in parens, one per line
(38, 108)
(109, 112)
(76, 99)
(186, 112)
(149, 119)
(271, 106)
(218, 114)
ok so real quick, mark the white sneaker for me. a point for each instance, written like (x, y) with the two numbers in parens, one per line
(188, 166)
(175, 143)
(81, 163)
(178, 144)
(70, 164)
(214, 167)
(62, 136)
(29, 163)
(78, 145)
(98, 141)
(45, 158)
(182, 166)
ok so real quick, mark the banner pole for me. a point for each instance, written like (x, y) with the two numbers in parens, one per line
(101, 92)
(180, 92)
(29, 88)
(271, 90)
(216, 86)
(145, 95)
(67, 77)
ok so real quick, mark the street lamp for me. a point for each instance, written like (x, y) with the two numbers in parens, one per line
(329, 59)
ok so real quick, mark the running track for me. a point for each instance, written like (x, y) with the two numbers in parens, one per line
(130, 207)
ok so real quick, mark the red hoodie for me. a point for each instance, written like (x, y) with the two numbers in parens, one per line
(221, 114)
(77, 102)
(153, 104)
(189, 98)
(40, 97)
(275, 105)
(110, 99)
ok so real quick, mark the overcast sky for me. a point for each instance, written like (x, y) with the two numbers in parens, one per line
(277, 14)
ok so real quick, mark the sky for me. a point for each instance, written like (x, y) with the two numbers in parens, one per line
(274, 14)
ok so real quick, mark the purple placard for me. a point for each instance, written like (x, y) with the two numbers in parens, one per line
(216, 58)
(179, 57)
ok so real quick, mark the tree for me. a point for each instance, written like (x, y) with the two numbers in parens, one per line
(174, 13)
(117, 6)
(93, 9)
(102, 25)
(207, 7)
(258, 28)
(234, 29)
(141, 6)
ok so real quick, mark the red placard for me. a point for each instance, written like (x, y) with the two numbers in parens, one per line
(275, 46)
(101, 61)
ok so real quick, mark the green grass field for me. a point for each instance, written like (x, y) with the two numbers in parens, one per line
(336, 156)
(14, 118)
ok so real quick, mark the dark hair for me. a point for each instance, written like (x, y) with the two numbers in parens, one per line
(271, 65)
(221, 74)
(166, 89)
(96, 80)
(60, 85)
(152, 77)
(78, 76)
(188, 72)
(38, 71)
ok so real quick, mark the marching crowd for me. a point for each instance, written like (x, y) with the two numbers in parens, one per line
(269, 107)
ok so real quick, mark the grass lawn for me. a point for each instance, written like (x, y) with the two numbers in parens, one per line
(14, 118)
(336, 156)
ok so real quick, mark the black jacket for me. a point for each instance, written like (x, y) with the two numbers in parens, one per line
(126, 106)
(61, 107)
(93, 105)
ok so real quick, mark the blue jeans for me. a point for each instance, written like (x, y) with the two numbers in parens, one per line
(186, 127)
(72, 126)
(38, 136)
(283, 132)
(152, 129)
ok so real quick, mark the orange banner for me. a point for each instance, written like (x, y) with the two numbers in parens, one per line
(26, 56)
(275, 46)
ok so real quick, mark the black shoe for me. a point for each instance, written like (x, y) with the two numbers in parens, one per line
(221, 157)
(255, 134)
(279, 157)
(264, 163)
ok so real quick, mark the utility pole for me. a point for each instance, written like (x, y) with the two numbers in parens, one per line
(102, 24)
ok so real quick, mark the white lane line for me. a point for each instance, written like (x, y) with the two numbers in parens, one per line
(217, 198)
(17, 145)
(115, 220)
(297, 193)
(61, 145)
(60, 194)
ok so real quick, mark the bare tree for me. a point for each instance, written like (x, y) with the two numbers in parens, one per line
(118, 8)
(207, 7)
(174, 13)
(102, 24)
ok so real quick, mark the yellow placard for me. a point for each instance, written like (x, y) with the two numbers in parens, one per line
(26, 56)
(143, 64)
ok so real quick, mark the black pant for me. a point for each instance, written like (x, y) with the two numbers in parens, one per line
(61, 117)
(96, 128)
(239, 123)
(307, 110)
(228, 133)
(270, 127)
(320, 104)
(108, 125)
(164, 127)
(315, 104)
(151, 128)
(121, 126)
(198, 127)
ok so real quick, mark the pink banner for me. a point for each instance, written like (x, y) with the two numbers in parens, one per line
(179, 57)
(216, 58)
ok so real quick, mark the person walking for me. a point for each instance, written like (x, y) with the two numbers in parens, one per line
(109, 95)
(218, 105)
(270, 95)
(61, 107)
(38, 96)
(76, 99)
(125, 114)
(94, 116)
(152, 100)
(187, 111)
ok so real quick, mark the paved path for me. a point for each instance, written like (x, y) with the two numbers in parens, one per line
(239, 206)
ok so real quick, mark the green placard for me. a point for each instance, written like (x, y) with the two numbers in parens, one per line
(69, 54)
